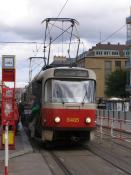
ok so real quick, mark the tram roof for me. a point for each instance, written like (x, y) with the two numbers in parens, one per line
(49, 73)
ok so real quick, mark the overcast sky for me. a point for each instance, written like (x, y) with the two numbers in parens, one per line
(20, 20)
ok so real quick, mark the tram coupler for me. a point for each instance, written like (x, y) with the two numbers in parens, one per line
(75, 139)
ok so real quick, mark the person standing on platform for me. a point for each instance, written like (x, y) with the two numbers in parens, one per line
(21, 112)
(35, 109)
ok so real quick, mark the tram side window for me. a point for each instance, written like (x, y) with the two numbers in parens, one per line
(48, 91)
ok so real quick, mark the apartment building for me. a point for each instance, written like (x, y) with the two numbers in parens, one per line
(103, 59)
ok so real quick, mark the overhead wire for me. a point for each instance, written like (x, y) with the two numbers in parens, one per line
(62, 8)
(59, 13)
(112, 34)
(53, 25)
(19, 42)
(55, 21)
(27, 42)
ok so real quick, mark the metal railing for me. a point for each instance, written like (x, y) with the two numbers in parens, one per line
(117, 127)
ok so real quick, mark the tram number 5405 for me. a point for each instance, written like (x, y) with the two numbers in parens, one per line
(73, 120)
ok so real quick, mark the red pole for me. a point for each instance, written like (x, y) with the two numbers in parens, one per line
(6, 170)
(6, 149)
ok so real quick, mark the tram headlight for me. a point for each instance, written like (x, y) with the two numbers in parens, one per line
(88, 120)
(57, 120)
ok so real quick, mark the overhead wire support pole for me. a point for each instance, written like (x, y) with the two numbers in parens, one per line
(45, 40)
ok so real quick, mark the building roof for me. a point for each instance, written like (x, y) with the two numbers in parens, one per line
(104, 47)
(65, 62)
(109, 46)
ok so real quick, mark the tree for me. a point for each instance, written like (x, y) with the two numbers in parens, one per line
(115, 84)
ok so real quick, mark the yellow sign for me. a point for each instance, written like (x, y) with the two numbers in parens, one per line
(10, 138)
(73, 120)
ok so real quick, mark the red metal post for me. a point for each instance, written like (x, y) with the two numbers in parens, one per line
(6, 149)
(8, 107)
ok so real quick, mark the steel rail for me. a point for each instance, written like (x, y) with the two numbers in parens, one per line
(124, 170)
(58, 162)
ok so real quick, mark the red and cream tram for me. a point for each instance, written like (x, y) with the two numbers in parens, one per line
(68, 108)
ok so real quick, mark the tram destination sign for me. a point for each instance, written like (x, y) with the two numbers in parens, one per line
(8, 61)
(71, 73)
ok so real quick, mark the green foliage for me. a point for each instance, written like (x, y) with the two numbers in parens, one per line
(115, 84)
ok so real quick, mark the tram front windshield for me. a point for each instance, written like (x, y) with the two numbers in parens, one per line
(59, 91)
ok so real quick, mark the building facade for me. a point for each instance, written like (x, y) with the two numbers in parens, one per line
(103, 59)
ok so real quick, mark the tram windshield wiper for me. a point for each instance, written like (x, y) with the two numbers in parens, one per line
(62, 100)
(84, 97)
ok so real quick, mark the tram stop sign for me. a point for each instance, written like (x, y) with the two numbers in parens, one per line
(8, 68)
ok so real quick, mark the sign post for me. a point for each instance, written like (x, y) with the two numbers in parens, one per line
(8, 107)
(6, 149)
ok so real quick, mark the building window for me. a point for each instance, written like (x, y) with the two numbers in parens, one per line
(98, 52)
(108, 68)
(118, 64)
(115, 53)
(127, 53)
(106, 52)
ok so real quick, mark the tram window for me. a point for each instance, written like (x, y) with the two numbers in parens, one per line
(61, 91)
(48, 91)
(74, 91)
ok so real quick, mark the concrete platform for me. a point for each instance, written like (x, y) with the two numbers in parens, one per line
(22, 160)
(22, 146)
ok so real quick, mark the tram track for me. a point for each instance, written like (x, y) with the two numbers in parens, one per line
(66, 171)
(122, 145)
(59, 163)
(52, 160)
(110, 157)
